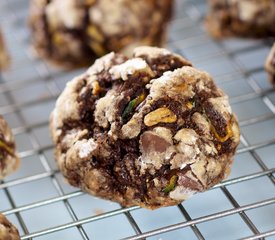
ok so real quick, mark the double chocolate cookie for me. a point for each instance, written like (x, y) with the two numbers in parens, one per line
(7, 230)
(9, 161)
(243, 18)
(4, 58)
(270, 65)
(150, 130)
(74, 33)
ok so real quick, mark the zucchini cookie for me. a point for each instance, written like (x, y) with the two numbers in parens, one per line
(7, 230)
(4, 57)
(9, 161)
(270, 65)
(150, 130)
(243, 18)
(74, 33)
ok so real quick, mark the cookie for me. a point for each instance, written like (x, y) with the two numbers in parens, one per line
(270, 65)
(9, 160)
(150, 130)
(7, 230)
(74, 33)
(242, 18)
(4, 57)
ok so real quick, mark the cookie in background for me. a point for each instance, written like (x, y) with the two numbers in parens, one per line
(9, 160)
(4, 57)
(74, 33)
(7, 230)
(241, 18)
(270, 65)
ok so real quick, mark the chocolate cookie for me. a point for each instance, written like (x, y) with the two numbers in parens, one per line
(9, 161)
(149, 131)
(243, 18)
(7, 230)
(4, 58)
(74, 33)
(270, 65)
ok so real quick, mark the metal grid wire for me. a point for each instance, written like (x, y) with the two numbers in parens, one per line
(44, 207)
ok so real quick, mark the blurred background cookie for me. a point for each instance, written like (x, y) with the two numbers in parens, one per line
(270, 65)
(73, 33)
(9, 160)
(4, 57)
(149, 131)
(243, 18)
(7, 230)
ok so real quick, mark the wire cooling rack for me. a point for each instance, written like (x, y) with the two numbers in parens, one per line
(37, 200)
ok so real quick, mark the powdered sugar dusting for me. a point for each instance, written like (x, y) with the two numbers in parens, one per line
(181, 193)
(86, 148)
(128, 68)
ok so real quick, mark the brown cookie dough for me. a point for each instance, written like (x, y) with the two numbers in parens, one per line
(242, 18)
(149, 131)
(9, 160)
(270, 65)
(4, 58)
(74, 33)
(7, 230)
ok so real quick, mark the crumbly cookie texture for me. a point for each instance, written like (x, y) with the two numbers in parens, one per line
(150, 130)
(9, 160)
(4, 57)
(74, 33)
(270, 65)
(243, 18)
(7, 230)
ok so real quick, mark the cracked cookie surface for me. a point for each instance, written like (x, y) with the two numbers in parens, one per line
(243, 18)
(74, 33)
(7, 230)
(9, 161)
(150, 130)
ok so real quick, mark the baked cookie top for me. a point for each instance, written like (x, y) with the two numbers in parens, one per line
(9, 161)
(7, 230)
(151, 130)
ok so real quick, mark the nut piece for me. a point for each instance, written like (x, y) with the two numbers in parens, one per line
(228, 135)
(96, 88)
(190, 105)
(160, 115)
(94, 33)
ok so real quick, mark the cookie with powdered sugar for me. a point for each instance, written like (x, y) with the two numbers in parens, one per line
(74, 33)
(241, 18)
(4, 57)
(150, 130)
(7, 230)
(270, 65)
(9, 160)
